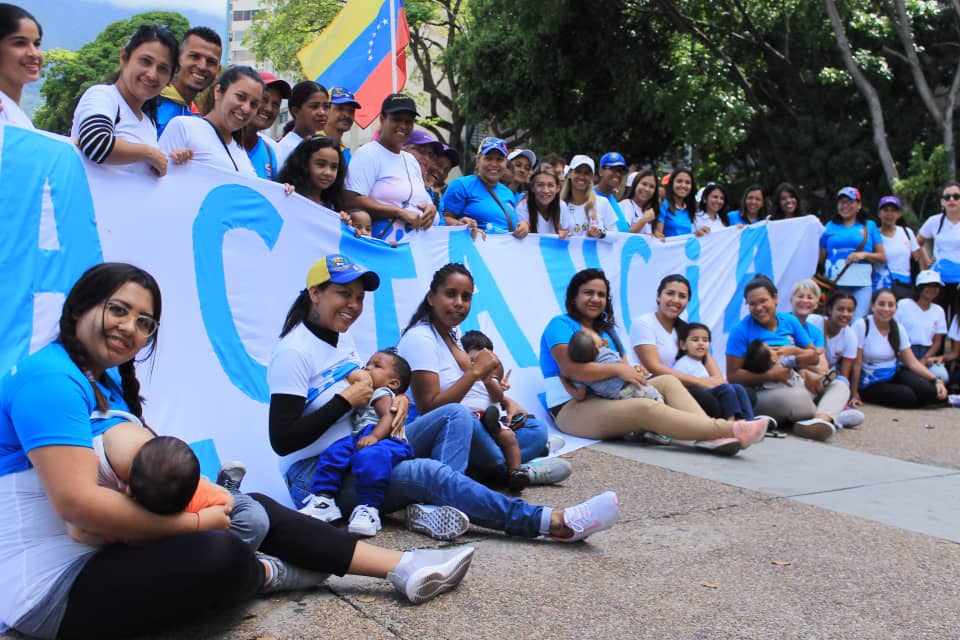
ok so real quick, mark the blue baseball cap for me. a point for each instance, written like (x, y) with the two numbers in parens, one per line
(339, 95)
(612, 159)
(849, 192)
(490, 143)
(339, 269)
(885, 200)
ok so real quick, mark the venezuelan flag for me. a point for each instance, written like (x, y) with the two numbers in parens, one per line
(354, 52)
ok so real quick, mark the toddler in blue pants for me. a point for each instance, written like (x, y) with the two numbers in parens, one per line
(371, 453)
(695, 349)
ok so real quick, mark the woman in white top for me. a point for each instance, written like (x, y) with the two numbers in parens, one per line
(544, 199)
(712, 215)
(640, 204)
(114, 124)
(840, 342)
(925, 322)
(582, 213)
(944, 230)
(214, 138)
(886, 371)
(20, 61)
(899, 245)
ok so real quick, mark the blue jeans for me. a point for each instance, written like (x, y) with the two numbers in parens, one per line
(486, 456)
(249, 520)
(733, 400)
(428, 481)
(443, 434)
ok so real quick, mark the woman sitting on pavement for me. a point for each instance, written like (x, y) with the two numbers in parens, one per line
(783, 333)
(311, 405)
(925, 322)
(53, 586)
(886, 371)
(115, 124)
(840, 342)
(678, 416)
(444, 374)
(543, 200)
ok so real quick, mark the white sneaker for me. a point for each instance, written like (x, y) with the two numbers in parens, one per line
(596, 514)
(547, 470)
(364, 521)
(425, 573)
(321, 507)
(440, 523)
(554, 444)
(954, 399)
(850, 418)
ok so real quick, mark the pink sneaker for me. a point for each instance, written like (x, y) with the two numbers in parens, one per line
(749, 432)
(720, 446)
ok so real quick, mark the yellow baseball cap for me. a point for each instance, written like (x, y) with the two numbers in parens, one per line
(339, 269)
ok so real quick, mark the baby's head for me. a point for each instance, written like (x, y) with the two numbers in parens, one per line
(473, 341)
(584, 346)
(361, 222)
(758, 358)
(164, 475)
(388, 369)
(695, 340)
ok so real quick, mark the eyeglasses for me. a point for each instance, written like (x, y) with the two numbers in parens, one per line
(145, 325)
(951, 196)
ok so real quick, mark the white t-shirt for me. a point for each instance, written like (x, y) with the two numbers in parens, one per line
(105, 99)
(12, 113)
(898, 250)
(200, 135)
(703, 221)
(306, 366)
(574, 218)
(954, 332)
(691, 367)
(843, 345)
(425, 350)
(946, 246)
(647, 330)
(633, 213)
(921, 325)
(286, 146)
(389, 178)
(523, 214)
(877, 352)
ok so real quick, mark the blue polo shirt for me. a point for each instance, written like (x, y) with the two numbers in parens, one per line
(46, 400)
(264, 159)
(675, 223)
(789, 333)
(559, 331)
(468, 196)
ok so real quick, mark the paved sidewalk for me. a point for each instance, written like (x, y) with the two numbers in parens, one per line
(792, 539)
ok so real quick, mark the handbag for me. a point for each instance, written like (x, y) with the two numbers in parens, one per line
(827, 286)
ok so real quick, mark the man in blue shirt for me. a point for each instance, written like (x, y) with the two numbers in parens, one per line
(343, 109)
(199, 66)
(613, 169)
(262, 149)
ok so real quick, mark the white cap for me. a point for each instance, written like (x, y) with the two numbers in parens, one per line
(526, 153)
(630, 178)
(580, 160)
(928, 277)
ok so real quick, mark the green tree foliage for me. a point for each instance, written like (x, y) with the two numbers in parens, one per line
(283, 27)
(67, 74)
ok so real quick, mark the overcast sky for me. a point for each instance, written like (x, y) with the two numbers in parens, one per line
(211, 7)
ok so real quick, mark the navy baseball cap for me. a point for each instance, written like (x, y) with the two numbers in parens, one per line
(396, 102)
(339, 95)
(490, 143)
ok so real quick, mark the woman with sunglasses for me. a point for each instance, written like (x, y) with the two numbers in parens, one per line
(944, 230)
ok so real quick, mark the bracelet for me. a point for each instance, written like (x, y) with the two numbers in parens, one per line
(197, 513)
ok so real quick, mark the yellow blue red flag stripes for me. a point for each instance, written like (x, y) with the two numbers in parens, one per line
(354, 52)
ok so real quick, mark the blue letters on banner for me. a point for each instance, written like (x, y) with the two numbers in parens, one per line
(635, 245)
(228, 207)
(755, 251)
(692, 251)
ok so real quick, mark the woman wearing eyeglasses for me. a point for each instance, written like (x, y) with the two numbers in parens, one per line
(944, 230)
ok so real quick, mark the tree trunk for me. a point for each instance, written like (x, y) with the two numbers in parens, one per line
(868, 92)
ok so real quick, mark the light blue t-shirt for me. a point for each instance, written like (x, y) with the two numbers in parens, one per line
(819, 341)
(840, 241)
(559, 331)
(675, 223)
(789, 333)
(736, 218)
(46, 400)
(264, 159)
(622, 224)
(468, 196)
(167, 110)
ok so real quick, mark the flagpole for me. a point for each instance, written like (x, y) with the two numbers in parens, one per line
(393, 44)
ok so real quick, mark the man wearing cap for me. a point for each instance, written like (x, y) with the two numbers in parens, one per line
(262, 149)
(613, 168)
(521, 162)
(343, 108)
(387, 181)
(199, 66)
(481, 200)
(899, 245)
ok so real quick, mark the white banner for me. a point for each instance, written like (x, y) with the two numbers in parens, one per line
(231, 254)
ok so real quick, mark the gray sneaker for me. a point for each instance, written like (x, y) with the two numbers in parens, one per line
(440, 523)
(850, 418)
(547, 470)
(423, 574)
(289, 577)
(231, 475)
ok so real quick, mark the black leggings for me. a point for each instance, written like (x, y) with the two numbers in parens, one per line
(949, 299)
(125, 590)
(711, 406)
(905, 390)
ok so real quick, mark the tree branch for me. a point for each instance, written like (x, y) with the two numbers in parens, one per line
(905, 32)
